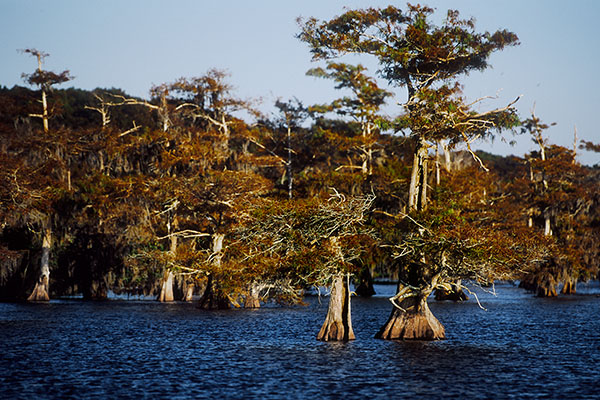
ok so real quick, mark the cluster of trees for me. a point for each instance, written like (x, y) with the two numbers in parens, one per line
(177, 197)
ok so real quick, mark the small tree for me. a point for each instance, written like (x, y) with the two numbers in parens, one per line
(292, 113)
(363, 107)
(44, 80)
(535, 127)
(208, 98)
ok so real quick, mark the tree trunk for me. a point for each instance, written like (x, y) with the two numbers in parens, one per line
(289, 163)
(546, 291)
(188, 291)
(454, 294)
(213, 298)
(166, 290)
(338, 323)
(252, 298)
(447, 157)
(41, 289)
(546, 285)
(163, 112)
(413, 322)
(45, 111)
(542, 283)
(569, 287)
(437, 164)
(364, 283)
(417, 194)
(367, 166)
(547, 225)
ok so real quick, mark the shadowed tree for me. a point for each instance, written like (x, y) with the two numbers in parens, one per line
(30, 189)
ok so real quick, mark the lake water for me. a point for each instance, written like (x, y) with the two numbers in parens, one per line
(521, 347)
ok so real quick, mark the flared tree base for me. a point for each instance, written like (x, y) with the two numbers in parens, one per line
(166, 288)
(416, 322)
(251, 302)
(569, 287)
(213, 298)
(39, 293)
(338, 323)
(252, 296)
(335, 332)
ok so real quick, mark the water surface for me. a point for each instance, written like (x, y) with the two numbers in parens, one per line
(521, 347)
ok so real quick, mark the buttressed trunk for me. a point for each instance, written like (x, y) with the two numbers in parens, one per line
(41, 289)
(338, 323)
(252, 298)
(188, 291)
(364, 283)
(213, 298)
(412, 320)
(166, 289)
(570, 286)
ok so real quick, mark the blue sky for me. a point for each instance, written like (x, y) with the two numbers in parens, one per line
(135, 44)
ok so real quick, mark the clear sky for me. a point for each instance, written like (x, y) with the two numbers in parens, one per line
(134, 44)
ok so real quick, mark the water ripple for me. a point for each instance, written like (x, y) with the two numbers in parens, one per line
(522, 347)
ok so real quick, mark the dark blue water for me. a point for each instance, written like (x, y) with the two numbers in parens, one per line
(521, 347)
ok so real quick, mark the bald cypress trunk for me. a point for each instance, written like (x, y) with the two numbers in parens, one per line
(41, 290)
(338, 323)
(364, 283)
(412, 320)
(45, 110)
(289, 163)
(188, 291)
(166, 290)
(417, 192)
(213, 297)
(252, 298)
(569, 287)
